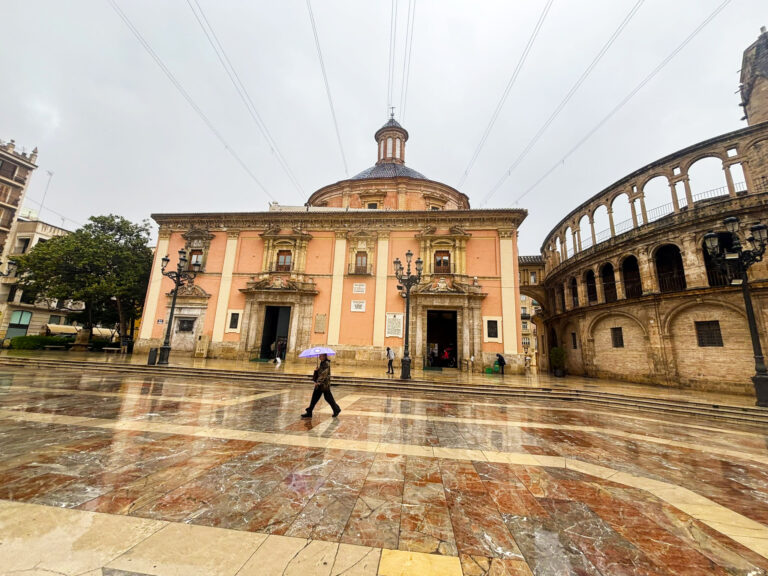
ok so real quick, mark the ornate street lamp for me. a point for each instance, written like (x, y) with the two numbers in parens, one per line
(10, 268)
(737, 261)
(407, 281)
(180, 277)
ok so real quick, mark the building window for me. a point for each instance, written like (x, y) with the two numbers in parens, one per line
(361, 263)
(234, 320)
(526, 341)
(493, 328)
(372, 206)
(708, 333)
(186, 324)
(19, 323)
(525, 325)
(54, 319)
(524, 310)
(12, 293)
(389, 147)
(617, 337)
(573, 340)
(434, 208)
(523, 298)
(23, 245)
(442, 262)
(533, 277)
(397, 148)
(195, 257)
(283, 261)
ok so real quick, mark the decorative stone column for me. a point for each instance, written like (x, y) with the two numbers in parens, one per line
(673, 190)
(693, 263)
(729, 179)
(648, 277)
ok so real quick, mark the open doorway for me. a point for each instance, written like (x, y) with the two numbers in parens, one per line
(274, 339)
(441, 338)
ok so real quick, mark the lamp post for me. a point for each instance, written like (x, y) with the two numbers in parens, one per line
(180, 276)
(407, 281)
(737, 261)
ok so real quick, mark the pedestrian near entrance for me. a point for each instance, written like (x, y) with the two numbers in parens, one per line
(322, 380)
(390, 360)
(501, 362)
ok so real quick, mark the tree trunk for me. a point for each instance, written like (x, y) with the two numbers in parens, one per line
(121, 315)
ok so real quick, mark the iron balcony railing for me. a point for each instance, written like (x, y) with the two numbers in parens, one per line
(445, 268)
(357, 270)
(633, 289)
(671, 282)
(284, 267)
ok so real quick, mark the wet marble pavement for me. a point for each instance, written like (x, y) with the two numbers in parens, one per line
(123, 475)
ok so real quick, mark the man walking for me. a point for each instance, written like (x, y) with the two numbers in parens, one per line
(322, 388)
(390, 360)
(501, 362)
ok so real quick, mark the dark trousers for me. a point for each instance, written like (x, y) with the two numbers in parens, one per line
(316, 393)
(390, 369)
(502, 369)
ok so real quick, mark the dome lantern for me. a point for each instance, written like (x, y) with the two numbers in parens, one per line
(390, 142)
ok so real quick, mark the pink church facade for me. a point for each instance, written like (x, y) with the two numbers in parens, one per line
(276, 282)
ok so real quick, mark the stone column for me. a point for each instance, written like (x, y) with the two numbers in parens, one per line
(693, 264)
(634, 214)
(688, 195)
(155, 283)
(610, 221)
(509, 307)
(578, 239)
(643, 211)
(225, 286)
(592, 229)
(648, 277)
(619, 279)
(380, 299)
(675, 203)
(337, 288)
(575, 241)
(729, 179)
(567, 298)
(599, 287)
(748, 178)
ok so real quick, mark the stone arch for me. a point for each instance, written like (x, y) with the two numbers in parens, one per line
(590, 285)
(568, 243)
(658, 197)
(604, 315)
(670, 271)
(629, 361)
(688, 162)
(622, 213)
(607, 273)
(574, 360)
(728, 365)
(706, 177)
(602, 224)
(585, 231)
(630, 276)
(674, 312)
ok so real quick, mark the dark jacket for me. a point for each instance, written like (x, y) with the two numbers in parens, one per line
(324, 375)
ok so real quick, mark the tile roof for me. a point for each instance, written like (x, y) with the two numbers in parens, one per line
(388, 170)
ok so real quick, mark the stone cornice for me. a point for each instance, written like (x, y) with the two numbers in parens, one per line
(340, 220)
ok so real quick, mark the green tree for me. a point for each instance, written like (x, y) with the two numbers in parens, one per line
(105, 265)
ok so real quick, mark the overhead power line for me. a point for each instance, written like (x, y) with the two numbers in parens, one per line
(407, 57)
(627, 98)
(565, 100)
(234, 77)
(504, 95)
(391, 62)
(186, 95)
(327, 85)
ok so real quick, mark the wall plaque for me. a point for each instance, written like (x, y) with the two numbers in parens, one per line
(320, 322)
(394, 325)
(358, 288)
(358, 305)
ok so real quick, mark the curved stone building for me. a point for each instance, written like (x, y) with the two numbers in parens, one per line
(280, 281)
(640, 298)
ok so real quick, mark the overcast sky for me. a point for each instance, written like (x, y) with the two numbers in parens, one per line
(119, 137)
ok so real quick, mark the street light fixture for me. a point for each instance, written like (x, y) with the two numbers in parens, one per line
(10, 269)
(181, 276)
(737, 261)
(407, 281)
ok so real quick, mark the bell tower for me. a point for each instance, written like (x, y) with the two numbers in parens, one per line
(754, 80)
(390, 141)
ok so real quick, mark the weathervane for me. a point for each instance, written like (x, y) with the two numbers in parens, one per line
(392, 112)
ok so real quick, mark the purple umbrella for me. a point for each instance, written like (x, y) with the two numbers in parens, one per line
(316, 351)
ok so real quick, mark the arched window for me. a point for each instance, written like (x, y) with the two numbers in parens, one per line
(608, 278)
(561, 297)
(589, 280)
(397, 148)
(630, 272)
(389, 147)
(574, 293)
(381, 149)
(669, 268)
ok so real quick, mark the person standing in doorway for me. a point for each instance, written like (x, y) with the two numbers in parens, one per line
(500, 360)
(390, 360)
(322, 388)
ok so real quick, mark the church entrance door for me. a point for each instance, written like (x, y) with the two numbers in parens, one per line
(441, 338)
(274, 339)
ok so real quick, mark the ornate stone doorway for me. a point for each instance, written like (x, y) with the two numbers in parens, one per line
(441, 339)
(274, 337)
